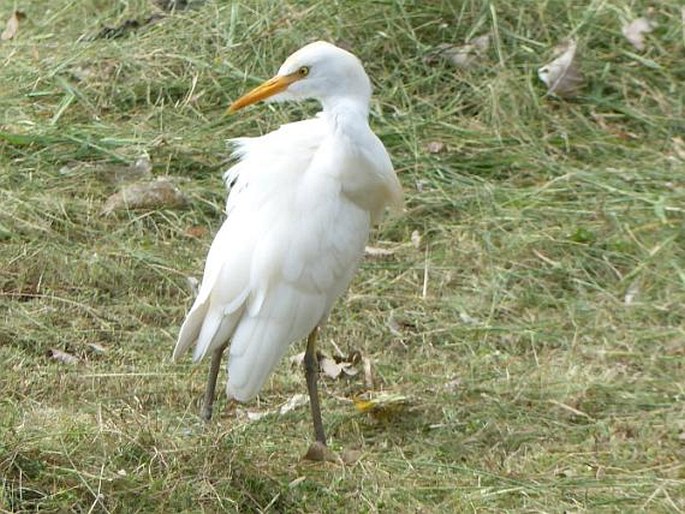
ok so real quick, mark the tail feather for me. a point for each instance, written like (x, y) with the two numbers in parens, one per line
(190, 329)
(248, 372)
(261, 339)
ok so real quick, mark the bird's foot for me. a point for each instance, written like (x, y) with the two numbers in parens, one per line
(319, 452)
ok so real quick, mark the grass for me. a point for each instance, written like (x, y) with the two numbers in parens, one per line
(537, 331)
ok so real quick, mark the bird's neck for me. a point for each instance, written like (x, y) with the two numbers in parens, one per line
(346, 111)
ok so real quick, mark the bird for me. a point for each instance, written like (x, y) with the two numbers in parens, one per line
(302, 202)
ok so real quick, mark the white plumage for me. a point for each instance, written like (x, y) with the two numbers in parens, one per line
(302, 202)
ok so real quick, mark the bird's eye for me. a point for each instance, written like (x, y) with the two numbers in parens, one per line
(303, 71)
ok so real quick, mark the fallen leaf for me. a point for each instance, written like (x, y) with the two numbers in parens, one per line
(423, 185)
(373, 251)
(333, 369)
(562, 75)
(416, 239)
(297, 360)
(146, 195)
(368, 373)
(394, 326)
(196, 231)
(97, 348)
(330, 368)
(635, 31)
(632, 291)
(399, 324)
(467, 319)
(297, 400)
(297, 482)
(453, 385)
(257, 415)
(482, 42)
(464, 56)
(139, 170)
(382, 406)
(12, 25)
(435, 147)
(63, 357)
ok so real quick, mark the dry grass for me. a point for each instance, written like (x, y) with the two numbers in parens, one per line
(532, 384)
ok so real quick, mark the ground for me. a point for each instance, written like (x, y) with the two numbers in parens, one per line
(526, 321)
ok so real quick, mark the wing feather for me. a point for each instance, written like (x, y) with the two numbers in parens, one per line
(290, 244)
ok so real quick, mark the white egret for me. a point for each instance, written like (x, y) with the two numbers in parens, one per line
(303, 200)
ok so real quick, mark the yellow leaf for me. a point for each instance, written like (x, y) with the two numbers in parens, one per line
(383, 406)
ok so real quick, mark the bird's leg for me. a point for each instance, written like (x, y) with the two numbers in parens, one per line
(311, 369)
(208, 402)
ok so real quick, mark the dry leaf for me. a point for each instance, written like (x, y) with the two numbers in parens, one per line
(468, 319)
(97, 348)
(146, 195)
(63, 357)
(373, 251)
(333, 369)
(12, 25)
(416, 239)
(453, 385)
(632, 291)
(435, 147)
(398, 325)
(423, 185)
(257, 415)
(563, 76)
(297, 400)
(297, 360)
(330, 368)
(368, 373)
(464, 56)
(394, 326)
(296, 482)
(635, 31)
(195, 231)
(383, 406)
(140, 170)
(482, 42)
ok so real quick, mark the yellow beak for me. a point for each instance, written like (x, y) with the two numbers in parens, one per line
(269, 88)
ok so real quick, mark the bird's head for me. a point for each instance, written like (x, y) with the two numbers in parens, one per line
(319, 70)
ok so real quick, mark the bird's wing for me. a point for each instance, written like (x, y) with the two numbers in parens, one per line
(287, 249)
(302, 264)
(225, 283)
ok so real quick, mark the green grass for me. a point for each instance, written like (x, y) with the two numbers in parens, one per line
(532, 385)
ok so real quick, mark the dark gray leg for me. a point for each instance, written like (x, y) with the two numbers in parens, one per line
(208, 403)
(311, 369)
